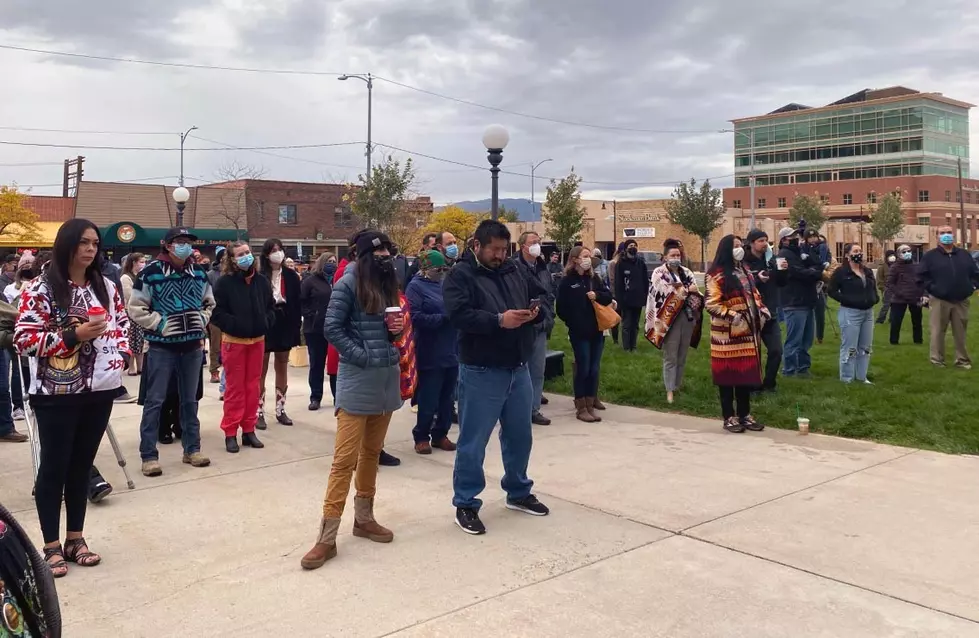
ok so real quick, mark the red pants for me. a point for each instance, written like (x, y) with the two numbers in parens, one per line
(243, 376)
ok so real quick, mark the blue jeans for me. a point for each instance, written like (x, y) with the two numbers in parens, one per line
(160, 367)
(538, 360)
(488, 395)
(856, 343)
(6, 416)
(436, 387)
(588, 362)
(800, 327)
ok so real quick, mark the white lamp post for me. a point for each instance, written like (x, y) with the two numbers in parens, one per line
(495, 139)
(181, 195)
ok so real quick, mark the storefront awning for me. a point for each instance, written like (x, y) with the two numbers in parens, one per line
(123, 234)
(47, 231)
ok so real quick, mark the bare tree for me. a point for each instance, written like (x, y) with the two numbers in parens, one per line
(233, 209)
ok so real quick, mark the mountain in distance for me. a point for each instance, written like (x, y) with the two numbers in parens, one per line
(525, 212)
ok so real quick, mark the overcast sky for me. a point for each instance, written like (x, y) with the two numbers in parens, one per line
(678, 70)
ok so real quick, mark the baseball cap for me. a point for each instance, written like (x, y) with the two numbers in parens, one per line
(179, 231)
(787, 232)
(371, 240)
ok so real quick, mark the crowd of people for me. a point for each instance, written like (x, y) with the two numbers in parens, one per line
(462, 332)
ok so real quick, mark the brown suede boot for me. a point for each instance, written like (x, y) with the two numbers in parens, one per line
(364, 524)
(590, 406)
(598, 405)
(583, 413)
(325, 547)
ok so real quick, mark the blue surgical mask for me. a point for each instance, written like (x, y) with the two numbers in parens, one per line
(769, 253)
(906, 256)
(947, 238)
(182, 251)
(245, 261)
(452, 251)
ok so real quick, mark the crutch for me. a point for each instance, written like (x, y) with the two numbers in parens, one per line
(29, 419)
(119, 457)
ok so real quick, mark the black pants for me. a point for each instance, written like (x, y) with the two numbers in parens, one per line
(436, 388)
(630, 326)
(316, 345)
(897, 318)
(771, 336)
(820, 316)
(333, 386)
(69, 439)
(730, 394)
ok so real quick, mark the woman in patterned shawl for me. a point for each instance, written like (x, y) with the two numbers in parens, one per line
(737, 316)
(673, 314)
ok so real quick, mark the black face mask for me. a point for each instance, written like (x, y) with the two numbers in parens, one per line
(385, 263)
(27, 274)
(793, 243)
(632, 250)
(857, 259)
(330, 269)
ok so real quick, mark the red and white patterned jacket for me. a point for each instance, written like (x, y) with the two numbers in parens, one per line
(67, 366)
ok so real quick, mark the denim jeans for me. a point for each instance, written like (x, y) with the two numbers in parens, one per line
(436, 387)
(799, 332)
(160, 367)
(856, 343)
(6, 416)
(588, 362)
(538, 360)
(488, 395)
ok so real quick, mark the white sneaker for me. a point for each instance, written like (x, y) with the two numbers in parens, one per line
(19, 415)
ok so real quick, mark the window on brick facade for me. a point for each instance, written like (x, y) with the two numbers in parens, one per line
(923, 196)
(287, 214)
(736, 203)
(781, 202)
(924, 220)
(871, 198)
(968, 197)
(868, 253)
(848, 198)
(839, 251)
(761, 202)
(343, 217)
(948, 196)
(824, 199)
(958, 196)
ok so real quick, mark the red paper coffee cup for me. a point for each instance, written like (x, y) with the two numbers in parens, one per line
(96, 314)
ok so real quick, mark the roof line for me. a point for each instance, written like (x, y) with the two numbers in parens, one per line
(938, 97)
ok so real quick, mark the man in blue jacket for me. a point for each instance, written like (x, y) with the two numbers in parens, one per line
(489, 302)
(950, 277)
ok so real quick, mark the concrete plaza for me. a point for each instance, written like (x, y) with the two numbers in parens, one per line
(661, 525)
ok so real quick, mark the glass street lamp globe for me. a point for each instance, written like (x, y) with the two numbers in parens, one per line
(495, 138)
(181, 195)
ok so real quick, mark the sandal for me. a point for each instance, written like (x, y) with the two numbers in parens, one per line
(59, 568)
(76, 551)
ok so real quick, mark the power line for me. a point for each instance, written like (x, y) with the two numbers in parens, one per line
(69, 131)
(539, 118)
(157, 148)
(287, 157)
(32, 164)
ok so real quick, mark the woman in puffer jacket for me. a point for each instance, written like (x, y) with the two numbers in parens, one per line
(368, 389)
(907, 294)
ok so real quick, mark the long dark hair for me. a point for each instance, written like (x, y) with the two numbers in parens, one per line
(65, 246)
(129, 263)
(724, 263)
(267, 249)
(376, 289)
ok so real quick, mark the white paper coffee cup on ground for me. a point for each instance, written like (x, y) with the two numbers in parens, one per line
(803, 425)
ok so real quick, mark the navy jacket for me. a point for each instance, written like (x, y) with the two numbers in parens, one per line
(435, 338)
(949, 276)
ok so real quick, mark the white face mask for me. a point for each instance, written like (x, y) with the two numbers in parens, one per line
(277, 257)
(534, 250)
(585, 263)
(738, 253)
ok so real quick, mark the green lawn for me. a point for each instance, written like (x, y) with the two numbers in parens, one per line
(911, 403)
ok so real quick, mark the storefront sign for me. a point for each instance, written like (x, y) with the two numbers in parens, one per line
(638, 232)
(638, 217)
(126, 233)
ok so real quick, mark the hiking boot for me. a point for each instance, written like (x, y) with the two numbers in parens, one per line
(539, 419)
(364, 524)
(444, 444)
(598, 405)
(468, 521)
(733, 424)
(387, 460)
(152, 468)
(231, 444)
(250, 439)
(13, 437)
(325, 547)
(582, 410)
(423, 447)
(528, 505)
(196, 459)
(590, 405)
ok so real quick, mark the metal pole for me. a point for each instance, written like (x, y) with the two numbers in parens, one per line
(495, 156)
(370, 108)
(183, 138)
(533, 208)
(615, 229)
(751, 177)
(965, 243)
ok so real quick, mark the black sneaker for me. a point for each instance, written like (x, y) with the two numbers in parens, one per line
(540, 419)
(314, 405)
(388, 461)
(529, 505)
(98, 490)
(468, 521)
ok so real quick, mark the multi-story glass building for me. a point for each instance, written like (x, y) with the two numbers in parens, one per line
(871, 134)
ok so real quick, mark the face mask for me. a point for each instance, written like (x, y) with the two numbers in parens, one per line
(769, 253)
(534, 251)
(794, 243)
(907, 256)
(947, 239)
(182, 251)
(27, 274)
(585, 264)
(452, 251)
(385, 263)
(738, 253)
(673, 263)
(245, 261)
(891, 259)
(857, 259)
(330, 269)
(632, 250)
(277, 257)
(596, 262)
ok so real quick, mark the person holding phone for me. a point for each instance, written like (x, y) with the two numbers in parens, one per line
(530, 262)
(770, 274)
(579, 288)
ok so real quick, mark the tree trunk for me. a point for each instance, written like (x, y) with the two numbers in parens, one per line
(703, 254)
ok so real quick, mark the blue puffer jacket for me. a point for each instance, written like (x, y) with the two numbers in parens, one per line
(368, 381)
(435, 338)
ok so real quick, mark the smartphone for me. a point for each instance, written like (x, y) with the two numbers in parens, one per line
(534, 305)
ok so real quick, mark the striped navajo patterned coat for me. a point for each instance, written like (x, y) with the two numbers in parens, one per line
(735, 352)
(172, 303)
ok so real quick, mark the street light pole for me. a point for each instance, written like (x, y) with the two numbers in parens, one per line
(495, 139)
(183, 138)
(533, 169)
(369, 80)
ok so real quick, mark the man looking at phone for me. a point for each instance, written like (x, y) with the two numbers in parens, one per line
(530, 263)
(488, 300)
(761, 261)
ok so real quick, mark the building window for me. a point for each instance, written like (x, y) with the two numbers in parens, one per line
(948, 196)
(868, 253)
(839, 252)
(848, 198)
(871, 198)
(958, 196)
(736, 203)
(761, 202)
(924, 220)
(968, 197)
(287, 214)
(824, 199)
(342, 217)
(781, 202)
(923, 196)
